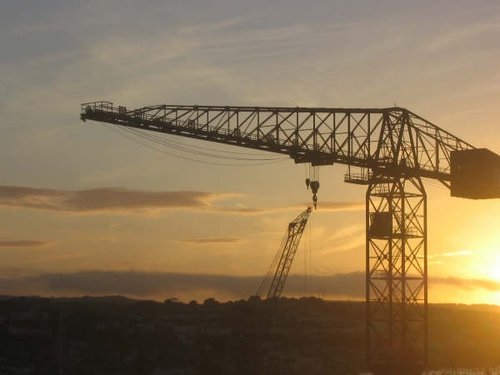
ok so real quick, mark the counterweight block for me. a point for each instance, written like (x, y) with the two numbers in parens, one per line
(475, 174)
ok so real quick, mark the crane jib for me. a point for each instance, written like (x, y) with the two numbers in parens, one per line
(387, 141)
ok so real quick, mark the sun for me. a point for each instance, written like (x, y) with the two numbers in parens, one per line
(492, 272)
(482, 268)
(493, 268)
(495, 271)
(491, 297)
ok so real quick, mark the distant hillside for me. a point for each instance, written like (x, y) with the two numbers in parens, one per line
(307, 336)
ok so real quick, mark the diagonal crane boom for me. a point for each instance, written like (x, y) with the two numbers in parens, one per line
(395, 149)
(285, 256)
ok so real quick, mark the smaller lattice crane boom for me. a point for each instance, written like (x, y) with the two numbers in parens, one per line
(284, 257)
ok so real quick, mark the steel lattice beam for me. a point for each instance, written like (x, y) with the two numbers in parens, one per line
(320, 136)
(288, 251)
(396, 276)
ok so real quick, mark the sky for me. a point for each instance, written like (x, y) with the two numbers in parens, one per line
(84, 210)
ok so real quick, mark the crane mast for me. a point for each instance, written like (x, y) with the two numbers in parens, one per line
(286, 254)
(393, 150)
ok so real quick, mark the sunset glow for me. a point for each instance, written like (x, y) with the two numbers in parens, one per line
(81, 202)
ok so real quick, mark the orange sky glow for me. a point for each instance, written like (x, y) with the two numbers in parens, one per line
(85, 210)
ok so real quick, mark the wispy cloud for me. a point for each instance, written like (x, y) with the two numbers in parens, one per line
(247, 210)
(343, 239)
(22, 243)
(105, 199)
(205, 241)
(468, 284)
(449, 38)
(161, 285)
(341, 206)
(459, 253)
(451, 254)
(327, 206)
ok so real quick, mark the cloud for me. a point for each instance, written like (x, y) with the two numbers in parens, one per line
(104, 199)
(449, 254)
(247, 211)
(458, 253)
(456, 35)
(341, 206)
(322, 207)
(22, 243)
(204, 241)
(344, 239)
(327, 206)
(468, 284)
(162, 285)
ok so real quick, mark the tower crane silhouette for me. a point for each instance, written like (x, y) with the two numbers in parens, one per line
(391, 151)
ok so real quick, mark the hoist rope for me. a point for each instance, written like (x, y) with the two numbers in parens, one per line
(146, 140)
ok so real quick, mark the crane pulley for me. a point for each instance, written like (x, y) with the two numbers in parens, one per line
(312, 181)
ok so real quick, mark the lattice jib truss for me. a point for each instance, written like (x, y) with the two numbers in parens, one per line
(322, 136)
(287, 250)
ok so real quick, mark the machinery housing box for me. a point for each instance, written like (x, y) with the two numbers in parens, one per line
(380, 224)
(475, 174)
